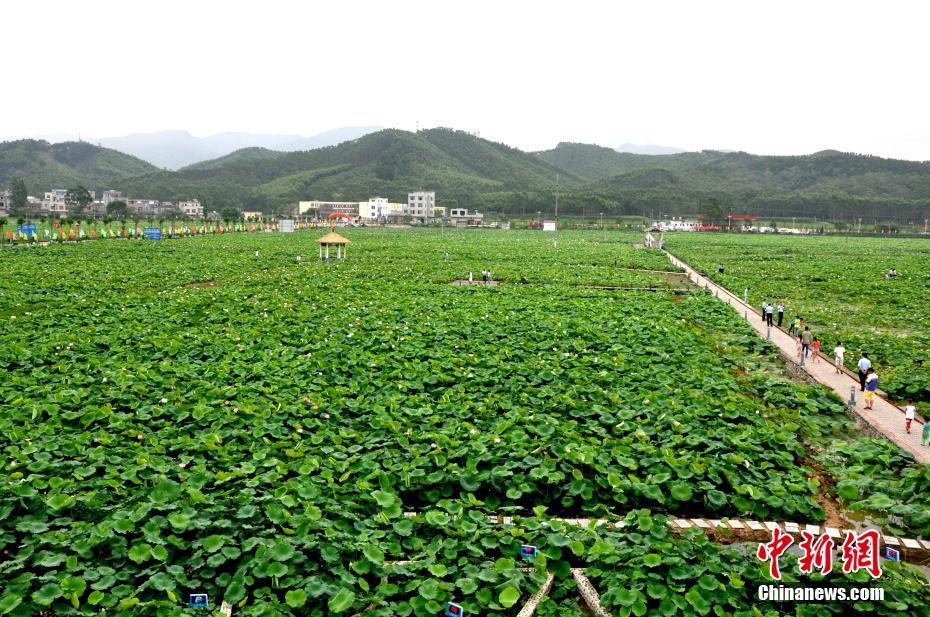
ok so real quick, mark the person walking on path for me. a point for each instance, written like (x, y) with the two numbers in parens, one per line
(769, 314)
(781, 313)
(765, 308)
(871, 385)
(838, 352)
(925, 437)
(864, 365)
(909, 412)
(815, 350)
(806, 338)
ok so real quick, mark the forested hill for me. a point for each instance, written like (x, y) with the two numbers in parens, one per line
(242, 155)
(45, 166)
(828, 183)
(389, 163)
(468, 171)
(597, 162)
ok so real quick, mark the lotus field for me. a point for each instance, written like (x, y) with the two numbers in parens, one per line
(839, 287)
(230, 416)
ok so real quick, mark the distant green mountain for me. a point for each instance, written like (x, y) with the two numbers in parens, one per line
(46, 166)
(597, 162)
(245, 154)
(388, 163)
(468, 171)
(829, 184)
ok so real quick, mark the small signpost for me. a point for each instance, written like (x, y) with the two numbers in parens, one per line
(454, 610)
(527, 551)
(151, 233)
(198, 600)
(891, 554)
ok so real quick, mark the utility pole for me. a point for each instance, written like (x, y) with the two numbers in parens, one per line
(603, 229)
(556, 200)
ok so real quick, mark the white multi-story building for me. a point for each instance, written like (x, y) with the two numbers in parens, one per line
(55, 203)
(421, 205)
(5, 206)
(373, 209)
(111, 196)
(192, 208)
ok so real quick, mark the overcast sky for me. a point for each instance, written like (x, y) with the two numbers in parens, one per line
(781, 78)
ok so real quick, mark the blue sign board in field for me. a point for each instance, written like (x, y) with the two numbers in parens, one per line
(27, 230)
(151, 233)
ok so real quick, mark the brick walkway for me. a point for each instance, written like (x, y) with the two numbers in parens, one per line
(884, 417)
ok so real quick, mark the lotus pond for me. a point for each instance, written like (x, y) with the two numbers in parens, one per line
(228, 415)
(839, 287)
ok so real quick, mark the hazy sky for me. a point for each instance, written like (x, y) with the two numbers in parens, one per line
(783, 78)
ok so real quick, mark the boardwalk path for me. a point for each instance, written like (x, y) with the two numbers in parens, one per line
(884, 417)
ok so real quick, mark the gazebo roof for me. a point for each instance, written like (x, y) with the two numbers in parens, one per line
(332, 238)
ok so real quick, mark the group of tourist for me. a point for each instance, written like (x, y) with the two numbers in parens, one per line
(768, 313)
(809, 345)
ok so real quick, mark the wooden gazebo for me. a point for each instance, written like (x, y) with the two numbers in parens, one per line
(333, 239)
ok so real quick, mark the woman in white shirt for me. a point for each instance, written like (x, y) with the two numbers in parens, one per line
(838, 352)
(909, 412)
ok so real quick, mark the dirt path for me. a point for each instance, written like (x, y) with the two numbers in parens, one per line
(884, 417)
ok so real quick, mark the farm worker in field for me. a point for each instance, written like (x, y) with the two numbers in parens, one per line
(470, 277)
(720, 268)
(909, 413)
(838, 352)
(806, 338)
(865, 365)
(781, 313)
(769, 314)
(871, 385)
